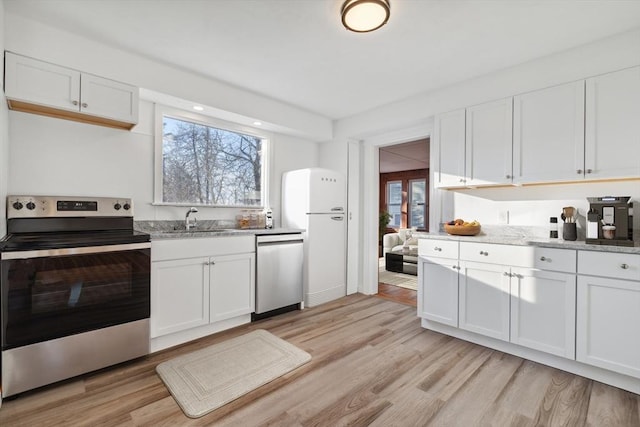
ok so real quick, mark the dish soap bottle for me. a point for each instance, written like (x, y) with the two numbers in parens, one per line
(269, 218)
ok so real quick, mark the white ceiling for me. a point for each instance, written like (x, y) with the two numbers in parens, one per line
(298, 52)
(405, 157)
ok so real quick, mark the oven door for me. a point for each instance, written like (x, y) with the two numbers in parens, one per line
(48, 294)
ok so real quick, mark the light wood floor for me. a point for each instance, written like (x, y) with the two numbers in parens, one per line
(372, 365)
(397, 294)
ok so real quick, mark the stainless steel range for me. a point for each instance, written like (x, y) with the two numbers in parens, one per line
(75, 286)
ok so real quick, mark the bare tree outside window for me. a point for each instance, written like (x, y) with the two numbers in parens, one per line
(209, 166)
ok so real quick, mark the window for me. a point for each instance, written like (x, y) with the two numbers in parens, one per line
(417, 203)
(203, 163)
(394, 203)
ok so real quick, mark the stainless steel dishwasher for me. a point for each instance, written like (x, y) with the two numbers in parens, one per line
(279, 263)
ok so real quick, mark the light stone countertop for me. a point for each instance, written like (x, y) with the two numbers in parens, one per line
(528, 236)
(160, 230)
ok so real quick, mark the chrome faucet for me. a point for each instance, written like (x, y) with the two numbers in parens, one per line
(187, 223)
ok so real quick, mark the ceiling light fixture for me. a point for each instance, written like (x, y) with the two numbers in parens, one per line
(257, 123)
(363, 16)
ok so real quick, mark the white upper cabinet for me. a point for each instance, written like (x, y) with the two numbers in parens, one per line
(548, 134)
(489, 143)
(37, 82)
(108, 98)
(39, 87)
(448, 149)
(612, 133)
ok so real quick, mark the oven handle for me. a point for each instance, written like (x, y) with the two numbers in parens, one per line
(74, 251)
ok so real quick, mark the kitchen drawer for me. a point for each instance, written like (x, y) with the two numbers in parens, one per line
(438, 248)
(554, 259)
(613, 265)
(194, 247)
(495, 253)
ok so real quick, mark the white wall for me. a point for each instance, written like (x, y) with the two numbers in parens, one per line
(51, 156)
(4, 138)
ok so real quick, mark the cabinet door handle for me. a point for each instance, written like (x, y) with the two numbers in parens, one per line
(206, 263)
(84, 105)
(74, 102)
(506, 273)
(589, 170)
(484, 253)
(437, 249)
(579, 171)
(543, 258)
(455, 267)
(624, 266)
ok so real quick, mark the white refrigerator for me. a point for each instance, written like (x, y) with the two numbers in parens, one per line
(314, 200)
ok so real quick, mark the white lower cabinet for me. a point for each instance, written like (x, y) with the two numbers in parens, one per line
(195, 291)
(543, 311)
(608, 316)
(231, 286)
(438, 292)
(484, 299)
(180, 295)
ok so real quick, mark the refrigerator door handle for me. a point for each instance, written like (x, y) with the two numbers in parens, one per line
(337, 218)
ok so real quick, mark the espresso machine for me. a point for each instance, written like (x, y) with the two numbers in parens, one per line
(610, 221)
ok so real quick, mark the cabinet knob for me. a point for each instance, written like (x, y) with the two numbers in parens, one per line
(589, 171)
(543, 258)
(507, 274)
(508, 176)
(437, 249)
(579, 171)
(461, 180)
(74, 102)
(624, 266)
(484, 253)
(455, 267)
(84, 105)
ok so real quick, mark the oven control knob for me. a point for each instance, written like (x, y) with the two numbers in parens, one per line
(126, 206)
(117, 206)
(17, 206)
(31, 206)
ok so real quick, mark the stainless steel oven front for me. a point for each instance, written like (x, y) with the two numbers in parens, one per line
(72, 310)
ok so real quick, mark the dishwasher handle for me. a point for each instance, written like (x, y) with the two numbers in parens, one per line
(279, 239)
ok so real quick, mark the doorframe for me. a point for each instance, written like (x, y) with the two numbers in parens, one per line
(371, 194)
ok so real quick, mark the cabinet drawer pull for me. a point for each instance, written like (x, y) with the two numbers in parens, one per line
(437, 249)
(624, 266)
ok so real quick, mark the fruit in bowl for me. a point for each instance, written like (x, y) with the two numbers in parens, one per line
(460, 227)
(464, 223)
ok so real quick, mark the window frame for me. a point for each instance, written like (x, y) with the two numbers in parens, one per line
(175, 113)
(388, 199)
(410, 203)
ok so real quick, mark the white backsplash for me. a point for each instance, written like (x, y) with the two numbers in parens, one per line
(532, 206)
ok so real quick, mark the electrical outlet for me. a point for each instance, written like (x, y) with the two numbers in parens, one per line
(503, 217)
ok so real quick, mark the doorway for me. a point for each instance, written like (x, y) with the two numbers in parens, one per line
(404, 206)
